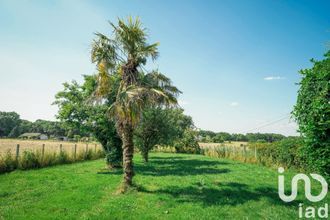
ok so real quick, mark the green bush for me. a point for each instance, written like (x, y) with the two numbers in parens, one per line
(29, 160)
(63, 158)
(7, 162)
(188, 143)
(113, 158)
(312, 113)
(286, 152)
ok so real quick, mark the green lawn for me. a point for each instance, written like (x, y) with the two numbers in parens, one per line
(171, 186)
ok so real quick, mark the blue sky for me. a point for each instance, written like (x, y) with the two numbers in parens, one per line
(236, 62)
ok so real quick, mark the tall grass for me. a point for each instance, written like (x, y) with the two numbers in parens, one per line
(286, 153)
(243, 153)
(35, 159)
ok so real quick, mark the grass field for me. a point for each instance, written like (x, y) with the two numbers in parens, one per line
(171, 186)
(226, 143)
(50, 145)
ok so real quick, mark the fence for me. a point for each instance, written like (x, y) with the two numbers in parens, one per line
(35, 154)
(17, 147)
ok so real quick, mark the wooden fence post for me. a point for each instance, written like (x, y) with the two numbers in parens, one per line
(95, 148)
(86, 148)
(61, 148)
(244, 148)
(43, 151)
(17, 152)
(75, 151)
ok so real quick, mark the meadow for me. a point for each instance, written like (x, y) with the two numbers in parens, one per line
(50, 146)
(170, 186)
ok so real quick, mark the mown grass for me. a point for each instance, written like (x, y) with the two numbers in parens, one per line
(170, 186)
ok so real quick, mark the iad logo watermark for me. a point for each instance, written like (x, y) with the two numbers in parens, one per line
(309, 211)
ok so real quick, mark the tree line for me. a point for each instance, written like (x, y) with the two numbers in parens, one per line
(12, 126)
(220, 137)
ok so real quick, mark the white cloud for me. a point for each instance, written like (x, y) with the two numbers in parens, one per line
(234, 104)
(274, 78)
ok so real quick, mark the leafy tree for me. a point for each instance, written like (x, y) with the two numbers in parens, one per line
(82, 119)
(153, 129)
(312, 113)
(8, 121)
(218, 139)
(165, 126)
(188, 143)
(51, 128)
(120, 59)
(24, 126)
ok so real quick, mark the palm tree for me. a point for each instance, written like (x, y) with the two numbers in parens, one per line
(120, 61)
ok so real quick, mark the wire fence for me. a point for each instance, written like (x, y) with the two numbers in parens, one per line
(17, 147)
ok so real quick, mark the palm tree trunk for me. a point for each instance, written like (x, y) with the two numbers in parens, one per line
(128, 151)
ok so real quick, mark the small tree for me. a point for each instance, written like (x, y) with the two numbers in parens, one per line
(188, 143)
(152, 130)
(312, 112)
(82, 118)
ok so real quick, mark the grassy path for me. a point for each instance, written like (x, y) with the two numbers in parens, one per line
(171, 186)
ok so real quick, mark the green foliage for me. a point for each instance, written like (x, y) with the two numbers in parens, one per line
(188, 143)
(83, 118)
(220, 137)
(312, 112)
(29, 160)
(33, 160)
(7, 162)
(286, 153)
(12, 126)
(153, 129)
(8, 121)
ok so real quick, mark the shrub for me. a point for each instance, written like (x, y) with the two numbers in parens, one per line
(7, 162)
(286, 152)
(188, 143)
(113, 159)
(63, 158)
(29, 160)
(32, 160)
(312, 113)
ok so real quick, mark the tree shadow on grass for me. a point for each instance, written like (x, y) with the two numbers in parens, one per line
(116, 171)
(174, 166)
(232, 194)
(168, 158)
(180, 167)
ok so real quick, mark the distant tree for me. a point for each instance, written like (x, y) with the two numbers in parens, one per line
(188, 142)
(312, 113)
(206, 136)
(8, 121)
(50, 128)
(218, 139)
(24, 126)
(265, 137)
(221, 137)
